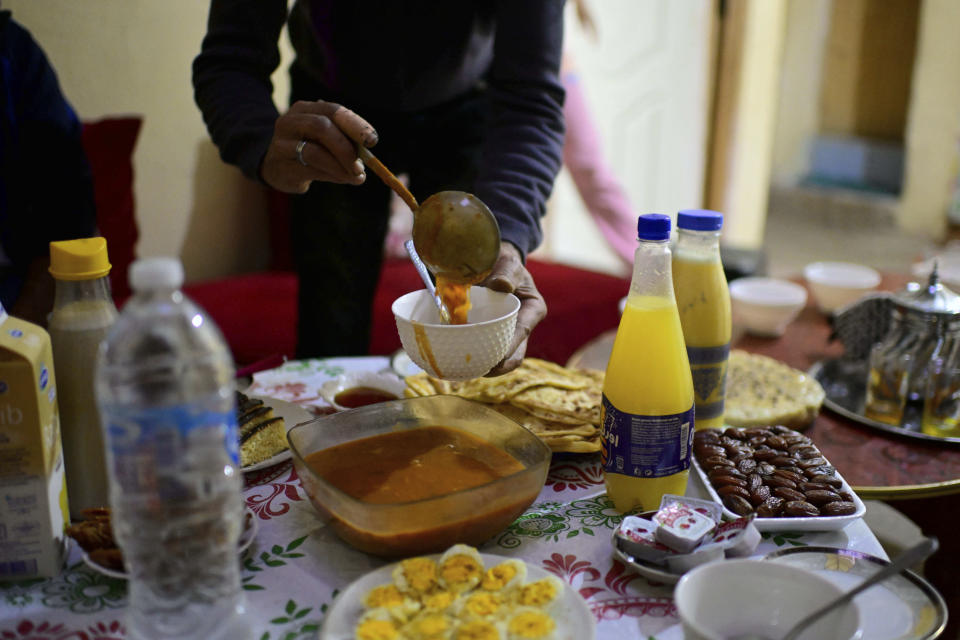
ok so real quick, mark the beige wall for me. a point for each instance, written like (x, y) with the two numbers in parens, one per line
(933, 126)
(133, 57)
(746, 118)
(798, 120)
(933, 113)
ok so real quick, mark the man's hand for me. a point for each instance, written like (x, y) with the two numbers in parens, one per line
(511, 276)
(325, 132)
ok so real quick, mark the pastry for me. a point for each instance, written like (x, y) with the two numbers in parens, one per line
(262, 433)
(762, 391)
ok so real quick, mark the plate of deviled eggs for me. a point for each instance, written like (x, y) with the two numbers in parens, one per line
(460, 594)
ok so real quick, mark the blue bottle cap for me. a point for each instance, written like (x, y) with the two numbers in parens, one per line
(653, 226)
(700, 220)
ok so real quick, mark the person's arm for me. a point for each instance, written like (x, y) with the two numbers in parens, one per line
(523, 147)
(599, 188)
(232, 87)
(231, 78)
(522, 150)
(46, 183)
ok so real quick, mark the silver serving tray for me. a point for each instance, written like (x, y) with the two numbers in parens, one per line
(844, 383)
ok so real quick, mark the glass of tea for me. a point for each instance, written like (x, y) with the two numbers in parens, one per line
(941, 407)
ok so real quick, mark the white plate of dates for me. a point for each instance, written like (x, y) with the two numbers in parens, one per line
(777, 473)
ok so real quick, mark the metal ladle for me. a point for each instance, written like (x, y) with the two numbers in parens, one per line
(422, 270)
(454, 232)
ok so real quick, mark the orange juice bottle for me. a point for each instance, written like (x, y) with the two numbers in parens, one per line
(647, 410)
(704, 303)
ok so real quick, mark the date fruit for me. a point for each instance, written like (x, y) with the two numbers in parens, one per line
(775, 472)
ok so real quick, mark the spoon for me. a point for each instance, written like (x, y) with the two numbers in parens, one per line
(454, 232)
(905, 560)
(422, 270)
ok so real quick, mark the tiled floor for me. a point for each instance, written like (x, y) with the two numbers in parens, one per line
(809, 224)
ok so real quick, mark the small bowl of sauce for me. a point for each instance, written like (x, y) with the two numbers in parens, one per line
(360, 389)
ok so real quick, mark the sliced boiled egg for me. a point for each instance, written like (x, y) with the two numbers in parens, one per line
(505, 576)
(478, 630)
(429, 626)
(460, 568)
(481, 605)
(388, 597)
(543, 593)
(377, 624)
(530, 623)
(438, 601)
(416, 575)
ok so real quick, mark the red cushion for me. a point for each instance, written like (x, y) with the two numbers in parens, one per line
(109, 144)
(581, 304)
(256, 312)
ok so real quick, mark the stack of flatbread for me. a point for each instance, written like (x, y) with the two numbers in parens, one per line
(558, 404)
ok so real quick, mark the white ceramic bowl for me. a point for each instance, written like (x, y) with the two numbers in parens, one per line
(387, 382)
(837, 284)
(457, 352)
(728, 598)
(765, 306)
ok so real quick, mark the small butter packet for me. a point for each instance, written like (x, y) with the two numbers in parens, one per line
(706, 507)
(637, 536)
(680, 527)
(737, 538)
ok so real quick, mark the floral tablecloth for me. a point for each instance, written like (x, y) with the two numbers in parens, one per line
(296, 566)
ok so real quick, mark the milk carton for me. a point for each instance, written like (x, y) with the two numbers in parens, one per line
(33, 490)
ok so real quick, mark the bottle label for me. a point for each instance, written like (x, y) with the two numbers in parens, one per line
(150, 443)
(708, 365)
(645, 446)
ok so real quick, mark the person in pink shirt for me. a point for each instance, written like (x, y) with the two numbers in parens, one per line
(597, 184)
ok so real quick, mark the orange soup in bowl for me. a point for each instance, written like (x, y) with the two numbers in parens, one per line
(411, 465)
(417, 475)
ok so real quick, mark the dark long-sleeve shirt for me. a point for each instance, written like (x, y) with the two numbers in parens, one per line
(401, 56)
(46, 189)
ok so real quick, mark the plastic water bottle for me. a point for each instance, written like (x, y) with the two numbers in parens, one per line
(647, 411)
(165, 390)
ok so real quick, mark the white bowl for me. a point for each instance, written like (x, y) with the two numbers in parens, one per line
(457, 351)
(837, 284)
(726, 598)
(765, 306)
(380, 381)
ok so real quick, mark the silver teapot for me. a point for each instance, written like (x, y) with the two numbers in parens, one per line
(907, 339)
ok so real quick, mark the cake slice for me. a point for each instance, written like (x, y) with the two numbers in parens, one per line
(246, 403)
(251, 419)
(262, 434)
(263, 441)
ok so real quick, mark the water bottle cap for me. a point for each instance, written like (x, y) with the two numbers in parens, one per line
(82, 259)
(700, 220)
(156, 273)
(653, 226)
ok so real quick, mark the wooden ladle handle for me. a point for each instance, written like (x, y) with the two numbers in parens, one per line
(364, 135)
(391, 180)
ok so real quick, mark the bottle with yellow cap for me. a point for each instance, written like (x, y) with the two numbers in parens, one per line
(83, 312)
